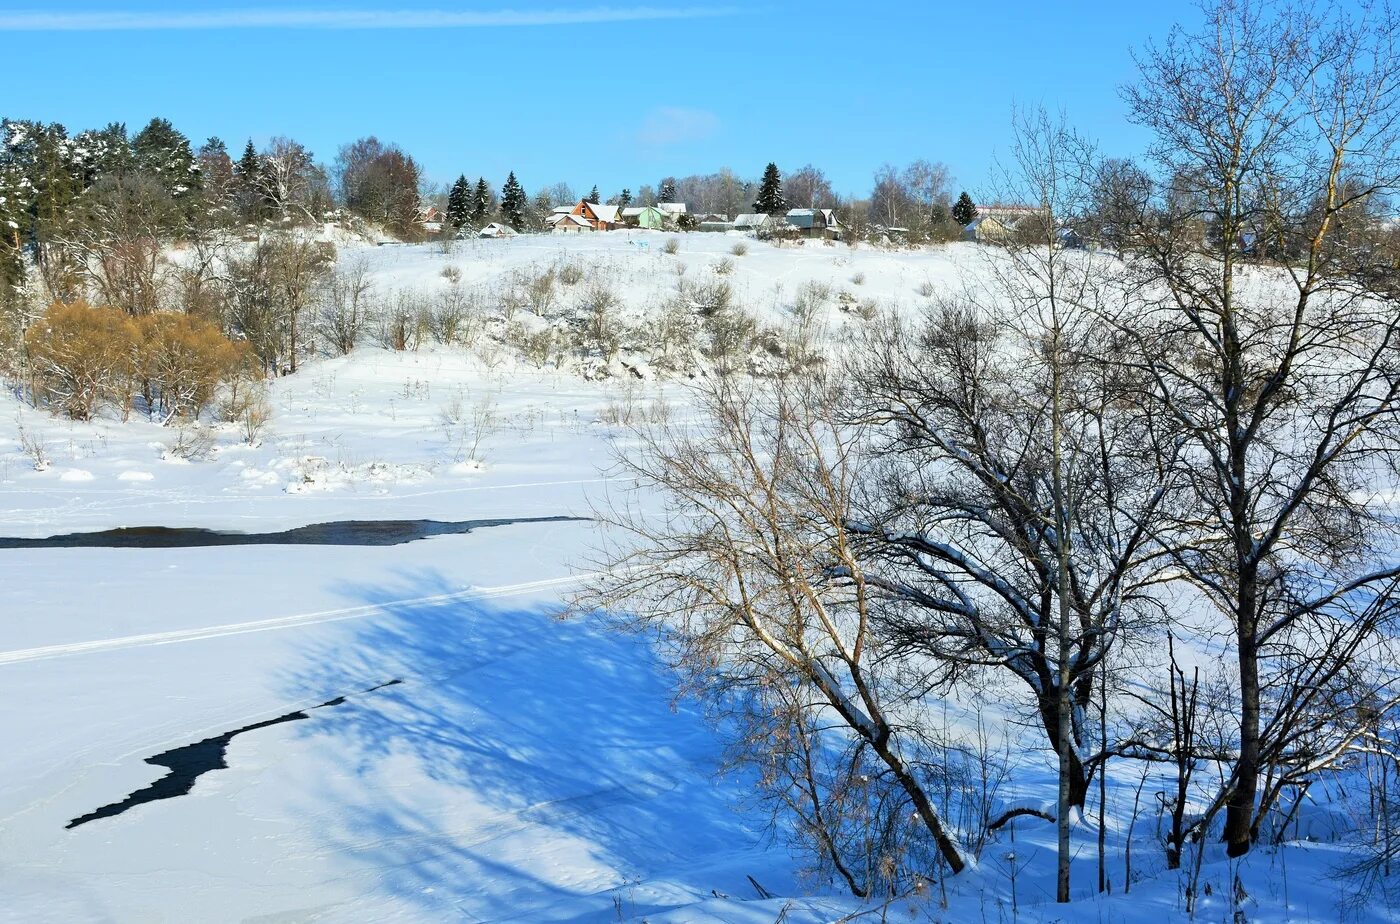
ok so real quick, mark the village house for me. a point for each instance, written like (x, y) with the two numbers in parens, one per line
(645, 216)
(496, 229)
(815, 223)
(998, 223)
(672, 210)
(754, 221)
(600, 217)
(568, 222)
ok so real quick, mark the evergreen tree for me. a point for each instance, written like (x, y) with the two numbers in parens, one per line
(624, 200)
(459, 204)
(964, 212)
(513, 203)
(593, 195)
(101, 152)
(668, 191)
(770, 199)
(164, 153)
(481, 202)
(248, 184)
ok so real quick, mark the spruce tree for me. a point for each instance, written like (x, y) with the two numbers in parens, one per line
(593, 195)
(668, 191)
(513, 203)
(459, 204)
(770, 199)
(964, 212)
(481, 202)
(165, 154)
(248, 183)
(624, 200)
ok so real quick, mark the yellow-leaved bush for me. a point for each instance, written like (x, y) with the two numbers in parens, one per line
(85, 357)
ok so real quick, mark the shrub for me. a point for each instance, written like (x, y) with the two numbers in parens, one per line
(405, 322)
(83, 357)
(570, 274)
(739, 249)
(184, 360)
(672, 246)
(724, 267)
(600, 330)
(811, 298)
(249, 409)
(858, 279)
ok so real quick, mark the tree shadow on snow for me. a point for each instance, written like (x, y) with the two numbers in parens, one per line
(524, 764)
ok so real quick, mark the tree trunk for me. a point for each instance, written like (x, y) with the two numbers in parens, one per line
(1078, 776)
(1239, 809)
(927, 813)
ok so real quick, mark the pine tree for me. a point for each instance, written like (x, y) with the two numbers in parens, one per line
(964, 212)
(593, 195)
(459, 205)
(770, 199)
(513, 203)
(668, 191)
(624, 200)
(481, 202)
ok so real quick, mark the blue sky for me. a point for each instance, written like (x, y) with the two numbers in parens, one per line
(617, 94)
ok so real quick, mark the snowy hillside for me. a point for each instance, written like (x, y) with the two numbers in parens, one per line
(407, 731)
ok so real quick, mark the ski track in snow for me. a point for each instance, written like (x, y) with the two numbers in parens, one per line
(282, 622)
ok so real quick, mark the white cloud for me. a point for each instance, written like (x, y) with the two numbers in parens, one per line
(36, 21)
(668, 125)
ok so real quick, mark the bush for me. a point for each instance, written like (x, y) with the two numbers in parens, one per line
(739, 249)
(672, 246)
(811, 299)
(183, 361)
(405, 322)
(570, 274)
(83, 357)
(711, 296)
(724, 267)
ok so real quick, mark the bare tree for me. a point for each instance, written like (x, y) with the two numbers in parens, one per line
(116, 237)
(344, 304)
(807, 188)
(270, 288)
(1277, 124)
(750, 572)
(1021, 499)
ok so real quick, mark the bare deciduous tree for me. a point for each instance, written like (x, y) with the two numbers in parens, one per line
(750, 572)
(1273, 126)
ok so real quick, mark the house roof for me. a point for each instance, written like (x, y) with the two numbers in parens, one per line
(672, 208)
(751, 220)
(603, 212)
(496, 227)
(634, 210)
(567, 218)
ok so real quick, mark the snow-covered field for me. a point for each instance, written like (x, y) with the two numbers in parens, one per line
(523, 768)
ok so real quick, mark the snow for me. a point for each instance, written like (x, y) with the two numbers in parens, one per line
(527, 767)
